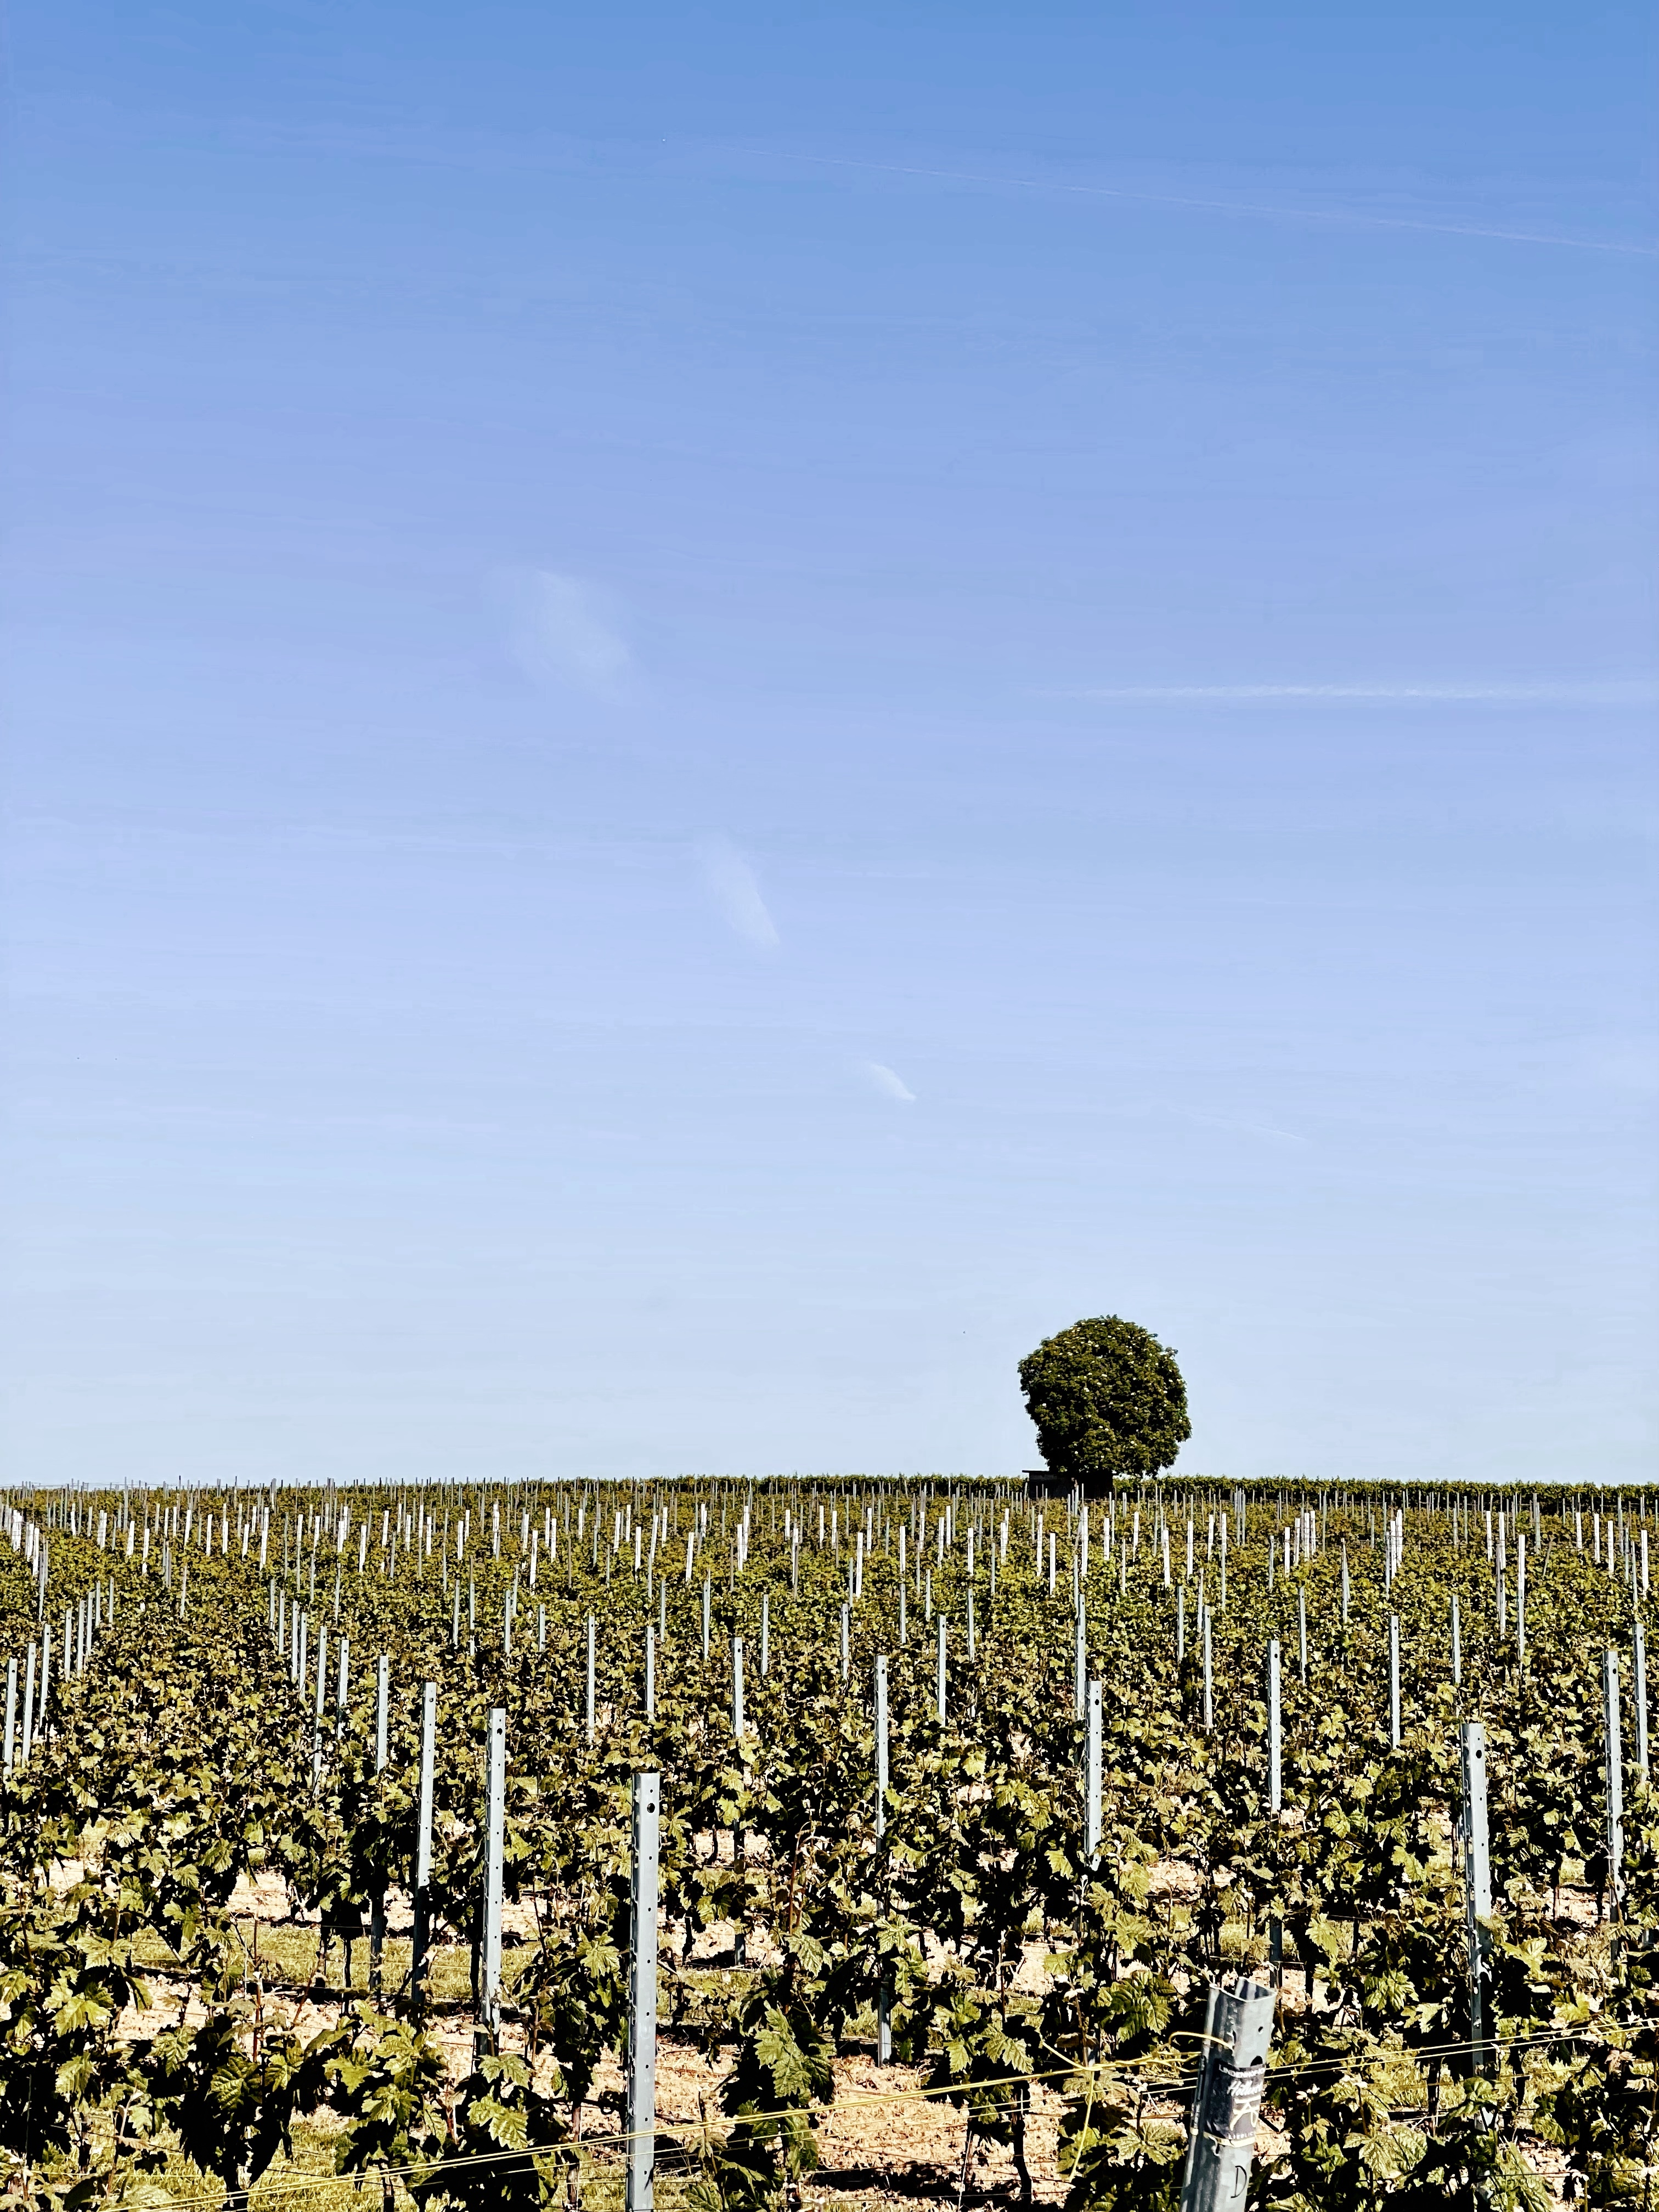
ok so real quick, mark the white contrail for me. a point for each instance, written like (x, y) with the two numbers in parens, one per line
(1635, 694)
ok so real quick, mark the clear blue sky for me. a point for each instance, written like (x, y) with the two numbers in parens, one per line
(713, 713)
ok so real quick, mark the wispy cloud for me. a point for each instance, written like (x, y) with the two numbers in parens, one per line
(562, 631)
(1327, 213)
(1267, 1129)
(730, 882)
(882, 1078)
(1641, 692)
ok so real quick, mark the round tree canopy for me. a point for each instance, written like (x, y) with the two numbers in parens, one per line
(1107, 1399)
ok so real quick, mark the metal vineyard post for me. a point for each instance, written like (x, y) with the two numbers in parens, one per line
(489, 1977)
(1394, 1681)
(1639, 1686)
(1091, 1778)
(1227, 2103)
(640, 2118)
(881, 1744)
(1477, 1881)
(883, 1991)
(422, 1900)
(1615, 1779)
(317, 1714)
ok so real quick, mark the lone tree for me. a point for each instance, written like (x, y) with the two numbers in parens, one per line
(1108, 1400)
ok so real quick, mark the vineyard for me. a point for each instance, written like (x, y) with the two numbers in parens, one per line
(259, 1931)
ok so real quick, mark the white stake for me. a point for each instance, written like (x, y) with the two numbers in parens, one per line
(1477, 1881)
(1091, 1778)
(489, 1978)
(641, 2117)
(422, 1900)
(1613, 1750)
(1394, 1680)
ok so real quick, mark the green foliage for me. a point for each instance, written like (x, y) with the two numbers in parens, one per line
(504, 2146)
(1106, 1400)
(781, 2071)
(135, 2024)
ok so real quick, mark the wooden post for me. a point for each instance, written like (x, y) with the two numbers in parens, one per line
(641, 2108)
(1456, 1643)
(650, 1672)
(941, 1671)
(1079, 1662)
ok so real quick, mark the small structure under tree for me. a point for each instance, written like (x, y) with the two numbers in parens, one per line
(1108, 1400)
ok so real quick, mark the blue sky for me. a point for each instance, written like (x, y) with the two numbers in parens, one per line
(714, 713)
